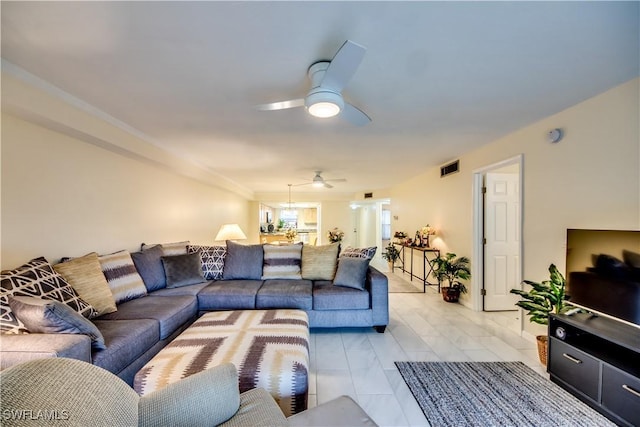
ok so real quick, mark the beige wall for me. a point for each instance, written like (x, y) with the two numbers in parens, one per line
(65, 197)
(588, 180)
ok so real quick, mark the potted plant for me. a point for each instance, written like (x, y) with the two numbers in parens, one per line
(546, 297)
(451, 270)
(391, 254)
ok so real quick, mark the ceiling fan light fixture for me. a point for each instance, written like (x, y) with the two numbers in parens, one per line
(324, 104)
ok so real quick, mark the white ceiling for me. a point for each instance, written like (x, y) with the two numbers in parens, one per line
(438, 78)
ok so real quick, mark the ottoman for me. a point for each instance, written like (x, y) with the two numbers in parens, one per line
(270, 349)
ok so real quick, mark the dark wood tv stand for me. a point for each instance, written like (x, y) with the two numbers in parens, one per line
(598, 361)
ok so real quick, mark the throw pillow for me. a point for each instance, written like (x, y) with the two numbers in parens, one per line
(36, 278)
(182, 270)
(84, 274)
(212, 259)
(243, 262)
(319, 262)
(169, 249)
(149, 266)
(123, 278)
(367, 253)
(632, 259)
(53, 317)
(282, 262)
(352, 273)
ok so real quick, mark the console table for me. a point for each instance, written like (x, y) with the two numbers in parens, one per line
(597, 359)
(428, 256)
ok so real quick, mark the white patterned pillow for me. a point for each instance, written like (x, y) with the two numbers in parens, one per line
(169, 249)
(366, 253)
(282, 262)
(212, 258)
(123, 278)
(36, 279)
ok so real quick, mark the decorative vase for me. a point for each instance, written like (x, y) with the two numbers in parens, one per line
(450, 294)
(543, 345)
(390, 263)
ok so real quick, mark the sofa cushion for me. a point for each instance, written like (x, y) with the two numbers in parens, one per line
(229, 295)
(243, 262)
(84, 274)
(169, 249)
(329, 297)
(212, 259)
(182, 290)
(281, 293)
(352, 272)
(282, 262)
(36, 279)
(149, 265)
(53, 317)
(319, 262)
(351, 252)
(126, 340)
(182, 270)
(123, 278)
(170, 314)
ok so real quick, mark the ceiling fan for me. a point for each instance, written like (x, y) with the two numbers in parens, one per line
(318, 181)
(328, 78)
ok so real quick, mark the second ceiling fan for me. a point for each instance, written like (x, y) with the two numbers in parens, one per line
(328, 78)
(318, 181)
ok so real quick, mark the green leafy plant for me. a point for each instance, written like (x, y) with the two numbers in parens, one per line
(391, 253)
(450, 269)
(546, 297)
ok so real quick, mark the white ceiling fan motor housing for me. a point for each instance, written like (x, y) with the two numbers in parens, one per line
(322, 102)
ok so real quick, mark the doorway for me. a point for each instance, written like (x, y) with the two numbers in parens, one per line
(498, 248)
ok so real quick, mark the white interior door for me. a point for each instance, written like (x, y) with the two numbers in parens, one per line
(502, 268)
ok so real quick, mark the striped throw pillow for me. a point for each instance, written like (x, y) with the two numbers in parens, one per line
(169, 249)
(282, 262)
(122, 276)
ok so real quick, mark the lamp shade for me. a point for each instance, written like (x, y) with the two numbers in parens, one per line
(230, 232)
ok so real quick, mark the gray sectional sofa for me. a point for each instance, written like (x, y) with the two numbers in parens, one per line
(141, 327)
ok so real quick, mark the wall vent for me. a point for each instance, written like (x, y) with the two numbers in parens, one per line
(368, 195)
(450, 168)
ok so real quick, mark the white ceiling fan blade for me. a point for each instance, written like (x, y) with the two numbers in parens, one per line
(343, 66)
(336, 180)
(282, 105)
(354, 115)
(327, 185)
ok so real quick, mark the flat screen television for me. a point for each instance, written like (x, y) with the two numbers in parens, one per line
(603, 272)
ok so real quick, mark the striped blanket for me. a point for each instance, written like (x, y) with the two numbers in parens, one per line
(270, 349)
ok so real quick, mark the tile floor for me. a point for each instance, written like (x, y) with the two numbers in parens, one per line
(359, 361)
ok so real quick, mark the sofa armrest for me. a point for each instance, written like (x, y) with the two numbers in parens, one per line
(209, 397)
(16, 349)
(378, 286)
(257, 409)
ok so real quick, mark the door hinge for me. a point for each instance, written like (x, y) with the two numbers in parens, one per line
(483, 292)
(484, 240)
(484, 190)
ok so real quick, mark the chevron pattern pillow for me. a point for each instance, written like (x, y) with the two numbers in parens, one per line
(212, 258)
(36, 279)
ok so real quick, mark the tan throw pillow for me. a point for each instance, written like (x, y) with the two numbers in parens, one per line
(84, 274)
(319, 262)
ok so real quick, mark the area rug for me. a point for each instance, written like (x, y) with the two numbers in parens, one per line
(493, 394)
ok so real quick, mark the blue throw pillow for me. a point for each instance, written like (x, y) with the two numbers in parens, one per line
(352, 272)
(149, 266)
(243, 262)
(53, 317)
